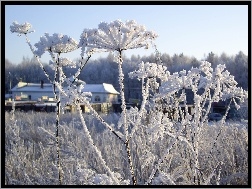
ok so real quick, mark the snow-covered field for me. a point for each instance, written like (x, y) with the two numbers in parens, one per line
(30, 153)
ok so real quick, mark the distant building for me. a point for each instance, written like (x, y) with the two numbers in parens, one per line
(101, 93)
(32, 91)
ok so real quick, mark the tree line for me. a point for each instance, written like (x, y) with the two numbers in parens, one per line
(104, 70)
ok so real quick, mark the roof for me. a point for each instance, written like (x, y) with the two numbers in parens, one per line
(32, 87)
(47, 87)
(100, 88)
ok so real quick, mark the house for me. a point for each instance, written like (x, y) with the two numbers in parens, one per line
(8, 96)
(33, 92)
(101, 93)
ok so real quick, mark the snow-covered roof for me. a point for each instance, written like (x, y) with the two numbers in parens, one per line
(47, 87)
(32, 87)
(100, 88)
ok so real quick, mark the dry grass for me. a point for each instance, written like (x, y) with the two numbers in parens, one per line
(30, 152)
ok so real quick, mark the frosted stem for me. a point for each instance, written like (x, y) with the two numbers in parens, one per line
(127, 146)
(57, 97)
(91, 142)
(154, 171)
(41, 65)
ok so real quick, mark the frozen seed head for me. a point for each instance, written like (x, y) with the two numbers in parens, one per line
(21, 28)
(57, 43)
(63, 62)
(117, 36)
(149, 70)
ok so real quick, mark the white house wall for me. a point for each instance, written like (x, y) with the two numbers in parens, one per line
(106, 92)
(104, 97)
(112, 98)
(34, 95)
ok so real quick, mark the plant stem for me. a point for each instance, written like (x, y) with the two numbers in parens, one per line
(40, 64)
(93, 146)
(133, 178)
(57, 97)
(127, 146)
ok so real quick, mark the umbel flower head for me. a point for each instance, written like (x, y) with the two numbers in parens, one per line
(57, 43)
(117, 36)
(150, 70)
(21, 28)
(62, 63)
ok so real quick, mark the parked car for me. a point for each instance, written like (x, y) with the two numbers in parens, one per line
(214, 117)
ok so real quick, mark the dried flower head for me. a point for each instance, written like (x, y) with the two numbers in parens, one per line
(150, 70)
(63, 62)
(117, 36)
(21, 28)
(57, 43)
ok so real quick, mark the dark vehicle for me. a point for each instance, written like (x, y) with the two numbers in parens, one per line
(214, 117)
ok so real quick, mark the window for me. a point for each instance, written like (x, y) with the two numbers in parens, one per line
(44, 97)
(97, 99)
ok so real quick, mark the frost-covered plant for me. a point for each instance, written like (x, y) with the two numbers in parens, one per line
(118, 36)
(208, 86)
(21, 28)
(29, 151)
(164, 115)
(55, 45)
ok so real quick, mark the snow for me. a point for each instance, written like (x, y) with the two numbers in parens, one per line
(147, 126)
(21, 28)
(32, 87)
(100, 88)
(57, 43)
(93, 88)
(46, 104)
(116, 36)
(109, 88)
(63, 62)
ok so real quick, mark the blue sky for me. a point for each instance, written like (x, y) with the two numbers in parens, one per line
(194, 30)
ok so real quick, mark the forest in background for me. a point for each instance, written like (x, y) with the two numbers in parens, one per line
(104, 70)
